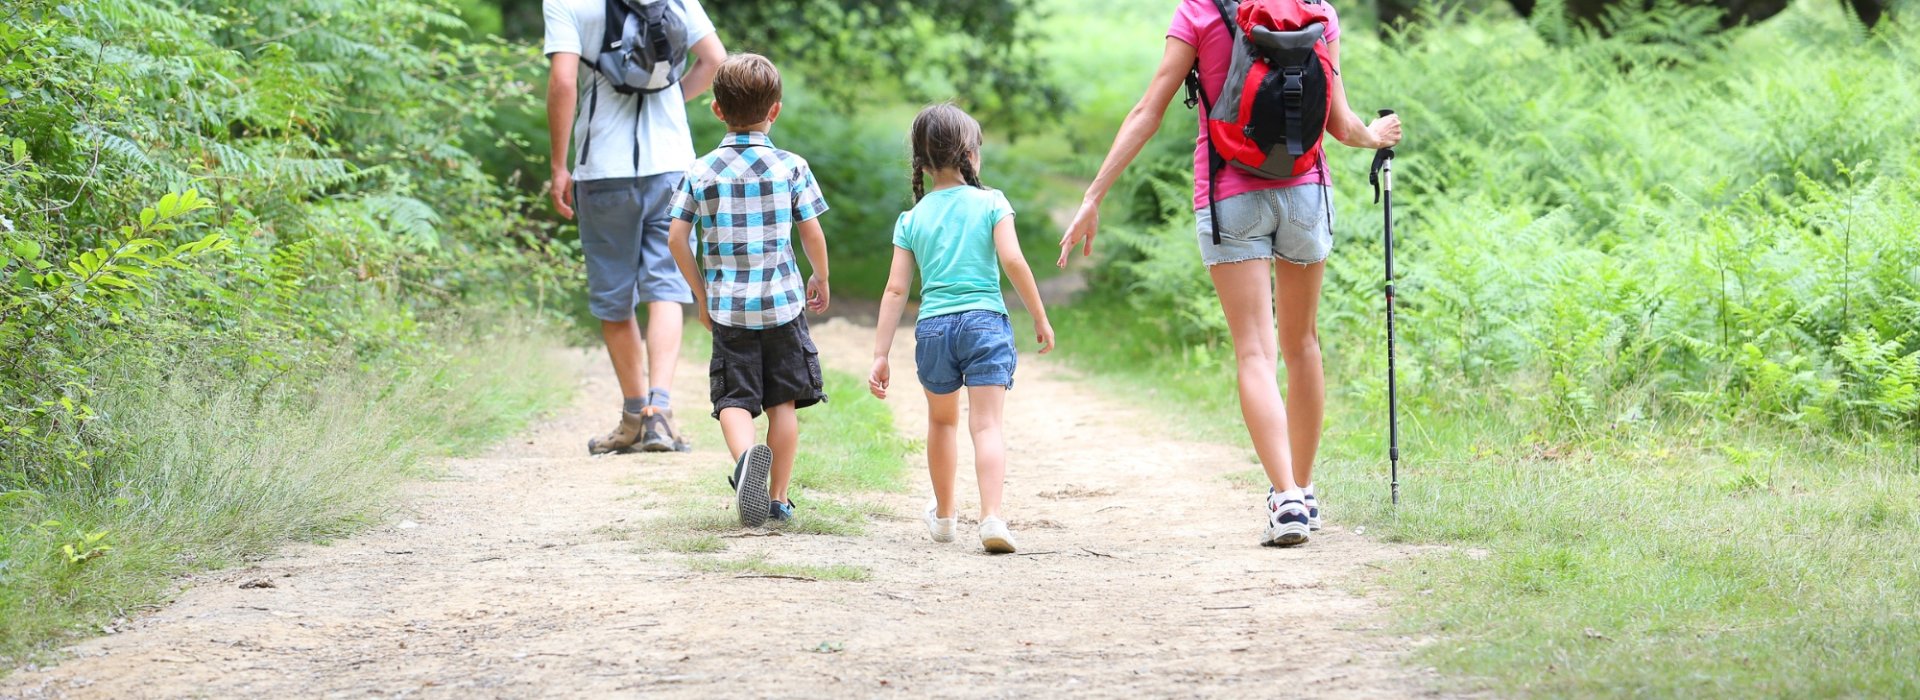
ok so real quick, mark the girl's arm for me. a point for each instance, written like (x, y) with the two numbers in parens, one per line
(892, 302)
(814, 242)
(678, 234)
(1140, 125)
(1345, 126)
(1006, 242)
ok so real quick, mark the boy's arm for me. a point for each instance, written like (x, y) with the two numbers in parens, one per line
(563, 91)
(678, 234)
(892, 302)
(814, 242)
(1006, 242)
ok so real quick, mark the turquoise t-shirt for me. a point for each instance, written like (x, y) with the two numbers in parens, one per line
(950, 233)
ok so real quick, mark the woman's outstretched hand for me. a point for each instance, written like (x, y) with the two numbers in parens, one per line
(1080, 233)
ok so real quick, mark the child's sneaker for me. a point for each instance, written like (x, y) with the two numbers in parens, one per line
(995, 536)
(780, 512)
(658, 433)
(1286, 520)
(749, 482)
(940, 529)
(1313, 512)
(622, 437)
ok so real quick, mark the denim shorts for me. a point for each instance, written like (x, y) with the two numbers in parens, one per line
(1294, 224)
(623, 231)
(968, 348)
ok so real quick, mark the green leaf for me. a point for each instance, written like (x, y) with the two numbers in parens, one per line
(27, 250)
(19, 150)
(146, 218)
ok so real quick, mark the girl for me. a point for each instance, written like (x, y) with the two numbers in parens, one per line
(954, 236)
(1267, 268)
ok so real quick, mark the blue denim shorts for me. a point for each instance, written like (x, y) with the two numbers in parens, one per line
(1294, 224)
(969, 348)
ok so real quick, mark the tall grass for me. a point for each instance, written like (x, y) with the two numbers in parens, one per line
(212, 470)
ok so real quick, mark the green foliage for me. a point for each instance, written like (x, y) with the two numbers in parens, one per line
(241, 199)
(1616, 227)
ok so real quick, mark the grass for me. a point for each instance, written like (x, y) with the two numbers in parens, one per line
(848, 450)
(1670, 557)
(758, 565)
(212, 473)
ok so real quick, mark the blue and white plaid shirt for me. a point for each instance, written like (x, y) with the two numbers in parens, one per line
(746, 196)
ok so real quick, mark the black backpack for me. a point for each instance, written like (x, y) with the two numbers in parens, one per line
(643, 51)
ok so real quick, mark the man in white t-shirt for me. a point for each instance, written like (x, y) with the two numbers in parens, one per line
(633, 154)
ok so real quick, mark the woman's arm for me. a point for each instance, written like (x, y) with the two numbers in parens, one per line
(1141, 124)
(1345, 126)
(1006, 242)
(892, 302)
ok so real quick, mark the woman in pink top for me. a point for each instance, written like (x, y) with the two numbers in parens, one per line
(1267, 267)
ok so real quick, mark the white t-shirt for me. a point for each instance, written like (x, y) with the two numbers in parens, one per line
(666, 144)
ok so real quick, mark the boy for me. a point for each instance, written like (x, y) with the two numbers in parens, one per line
(632, 149)
(748, 197)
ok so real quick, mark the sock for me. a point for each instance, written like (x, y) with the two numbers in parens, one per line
(1308, 490)
(633, 405)
(659, 398)
(1291, 495)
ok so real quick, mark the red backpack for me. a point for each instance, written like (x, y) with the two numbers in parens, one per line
(1272, 110)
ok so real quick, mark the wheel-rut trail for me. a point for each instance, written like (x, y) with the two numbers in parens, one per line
(521, 573)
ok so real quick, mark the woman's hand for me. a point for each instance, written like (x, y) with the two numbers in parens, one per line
(879, 378)
(1385, 130)
(1080, 233)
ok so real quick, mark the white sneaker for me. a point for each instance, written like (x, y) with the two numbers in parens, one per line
(995, 536)
(1313, 512)
(940, 529)
(1286, 520)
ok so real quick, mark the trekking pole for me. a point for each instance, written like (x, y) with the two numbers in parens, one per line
(1383, 194)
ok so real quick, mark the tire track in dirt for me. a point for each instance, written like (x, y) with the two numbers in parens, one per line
(510, 578)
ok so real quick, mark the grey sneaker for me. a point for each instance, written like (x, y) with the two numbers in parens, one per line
(622, 437)
(995, 537)
(749, 482)
(658, 433)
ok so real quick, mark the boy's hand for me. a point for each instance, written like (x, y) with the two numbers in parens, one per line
(1043, 331)
(881, 376)
(563, 192)
(706, 318)
(818, 295)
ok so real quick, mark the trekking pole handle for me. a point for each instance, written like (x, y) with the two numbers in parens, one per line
(1380, 159)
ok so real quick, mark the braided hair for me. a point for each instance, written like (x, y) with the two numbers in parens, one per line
(944, 136)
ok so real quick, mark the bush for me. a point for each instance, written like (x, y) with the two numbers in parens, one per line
(1615, 227)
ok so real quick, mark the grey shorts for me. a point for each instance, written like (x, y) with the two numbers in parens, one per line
(623, 231)
(1294, 224)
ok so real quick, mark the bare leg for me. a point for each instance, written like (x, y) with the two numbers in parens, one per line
(783, 435)
(664, 322)
(989, 446)
(1247, 298)
(1296, 304)
(736, 425)
(623, 347)
(943, 449)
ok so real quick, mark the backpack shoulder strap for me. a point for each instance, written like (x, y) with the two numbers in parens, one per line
(1226, 16)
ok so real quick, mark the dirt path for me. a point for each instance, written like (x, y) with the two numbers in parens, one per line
(508, 578)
